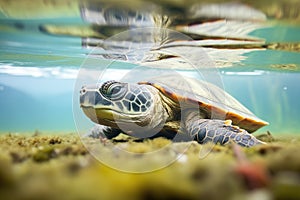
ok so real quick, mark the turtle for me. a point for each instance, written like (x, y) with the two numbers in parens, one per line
(168, 106)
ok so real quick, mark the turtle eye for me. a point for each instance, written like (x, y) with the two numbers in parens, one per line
(113, 90)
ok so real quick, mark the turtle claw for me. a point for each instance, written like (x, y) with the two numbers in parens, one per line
(96, 131)
(103, 133)
(228, 122)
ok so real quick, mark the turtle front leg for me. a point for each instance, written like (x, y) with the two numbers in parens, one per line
(219, 131)
(102, 132)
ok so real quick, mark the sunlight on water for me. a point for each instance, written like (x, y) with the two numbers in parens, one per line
(254, 50)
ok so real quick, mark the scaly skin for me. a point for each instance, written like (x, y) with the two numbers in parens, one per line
(219, 131)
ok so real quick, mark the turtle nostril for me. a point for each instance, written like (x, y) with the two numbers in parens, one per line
(82, 91)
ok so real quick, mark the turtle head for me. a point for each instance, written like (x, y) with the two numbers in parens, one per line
(115, 103)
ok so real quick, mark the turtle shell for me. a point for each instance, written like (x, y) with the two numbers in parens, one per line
(212, 100)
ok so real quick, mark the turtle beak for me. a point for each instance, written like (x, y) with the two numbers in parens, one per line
(82, 93)
(90, 97)
(87, 97)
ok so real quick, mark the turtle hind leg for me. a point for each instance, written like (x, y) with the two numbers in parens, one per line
(220, 131)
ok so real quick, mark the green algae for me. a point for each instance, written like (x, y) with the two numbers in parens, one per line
(59, 166)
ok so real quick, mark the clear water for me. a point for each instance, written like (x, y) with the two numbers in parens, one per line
(38, 70)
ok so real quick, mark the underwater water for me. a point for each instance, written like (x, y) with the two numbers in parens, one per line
(42, 48)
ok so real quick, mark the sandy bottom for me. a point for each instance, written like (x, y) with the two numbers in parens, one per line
(60, 167)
